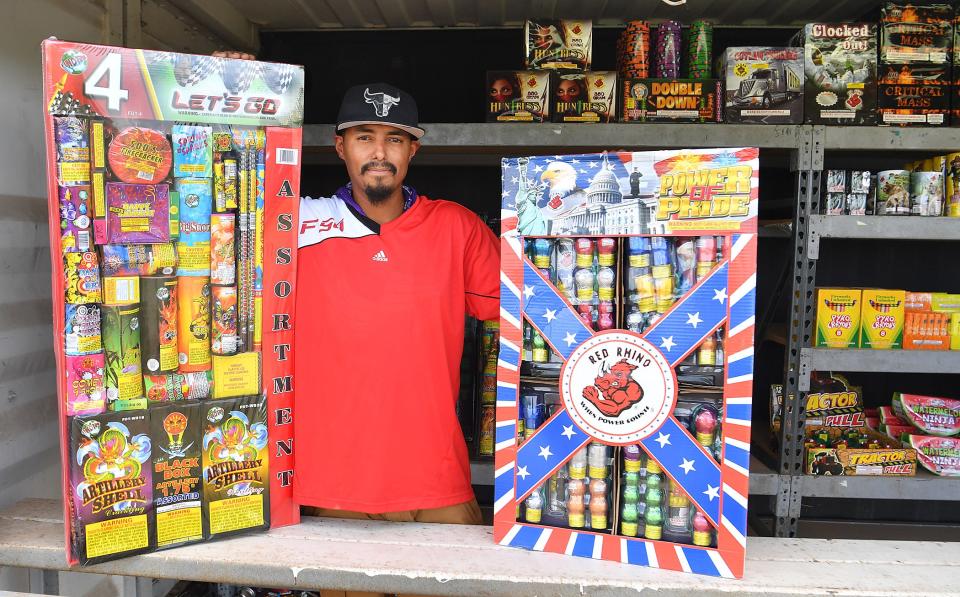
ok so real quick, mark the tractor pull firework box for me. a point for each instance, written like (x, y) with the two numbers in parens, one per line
(625, 366)
(173, 185)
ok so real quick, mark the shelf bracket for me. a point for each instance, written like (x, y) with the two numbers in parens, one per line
(813, 242)
(803, 380)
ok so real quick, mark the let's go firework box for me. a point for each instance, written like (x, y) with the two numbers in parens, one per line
(626, 356)
(173, 185)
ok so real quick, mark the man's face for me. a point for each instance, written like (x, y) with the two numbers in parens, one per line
(377, 157)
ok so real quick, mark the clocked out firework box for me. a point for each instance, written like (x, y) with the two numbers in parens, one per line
(840, 73)
(145, 150)
(763, 85)
(625, 361)
(519, 96)
(671, 100)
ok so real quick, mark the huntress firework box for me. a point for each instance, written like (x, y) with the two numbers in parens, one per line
(159, 166)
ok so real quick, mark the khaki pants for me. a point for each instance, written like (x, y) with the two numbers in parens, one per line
(465, 513)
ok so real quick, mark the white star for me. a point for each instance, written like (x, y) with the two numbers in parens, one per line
(594, 164)
(505, 193)
(667, 343)
(570, 339)
(568, 431)
(538, 168)
(694, 319)
(522, 472)
(712, 492)
(545, 452)
(515, 180)
(582, 171)
(663, 440)
(720, 295)
(687, 466)
(550, 315)
(527, 291)
(558, 157)
(574, 161)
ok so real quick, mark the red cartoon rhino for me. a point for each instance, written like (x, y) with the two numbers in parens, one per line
(614, 391)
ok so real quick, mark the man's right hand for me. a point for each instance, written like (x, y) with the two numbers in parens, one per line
(235, 55)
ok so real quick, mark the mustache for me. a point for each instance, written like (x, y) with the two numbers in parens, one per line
(378, 165)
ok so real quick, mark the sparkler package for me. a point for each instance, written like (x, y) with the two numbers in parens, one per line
(169, 178)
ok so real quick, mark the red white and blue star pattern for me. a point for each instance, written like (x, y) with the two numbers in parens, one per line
(726, 297)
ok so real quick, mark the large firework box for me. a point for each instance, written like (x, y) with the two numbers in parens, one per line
(915, 33)
(763, 85)
(558, 44)
(840, 73)
(896, 460)
(588, 96)
(671, 100)
(834, 402)
(674, 197)
(913, 94)
(140, 118)
(520, 96)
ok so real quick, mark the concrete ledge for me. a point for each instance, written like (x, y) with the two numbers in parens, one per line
(461, 560)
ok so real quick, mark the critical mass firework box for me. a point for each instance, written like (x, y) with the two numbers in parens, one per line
(173, 185)
(625, 364)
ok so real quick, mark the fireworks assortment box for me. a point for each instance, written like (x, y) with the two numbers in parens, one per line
(558, 44)
(160, 193)
(763, 85)
(520, 96)
(671, 100)
(625, 359)
(840, 73)
(589, 96)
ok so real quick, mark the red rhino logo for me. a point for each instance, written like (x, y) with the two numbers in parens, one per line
(614, 391)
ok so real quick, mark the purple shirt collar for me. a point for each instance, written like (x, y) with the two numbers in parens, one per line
(346, 194)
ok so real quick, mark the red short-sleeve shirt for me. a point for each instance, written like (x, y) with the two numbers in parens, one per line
(378, 341)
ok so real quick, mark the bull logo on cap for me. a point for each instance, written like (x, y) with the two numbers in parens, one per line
(381, 101)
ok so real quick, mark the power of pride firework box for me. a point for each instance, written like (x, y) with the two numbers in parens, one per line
(143, 149)
(627, 287)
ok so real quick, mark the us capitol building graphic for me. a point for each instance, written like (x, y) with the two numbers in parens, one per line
(607, 211)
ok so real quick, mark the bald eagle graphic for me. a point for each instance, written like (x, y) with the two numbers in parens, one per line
(563, 194)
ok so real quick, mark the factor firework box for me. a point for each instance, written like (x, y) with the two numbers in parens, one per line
(939, 455)
(834, 402)
(913, 94)
(840, 73)
(236, 479)
(838, 317)
(585, 97)
(929, 414)
(174, 122)
(558, 44)
(881, 319)
(519, 96)
(111, 489)
(763, 85)
(887, 458)
(671, 100)
(176, 432)
(914, 33)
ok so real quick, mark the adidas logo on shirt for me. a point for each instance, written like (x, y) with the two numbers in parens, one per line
(380, 256)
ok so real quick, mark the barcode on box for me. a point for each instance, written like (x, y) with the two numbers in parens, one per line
(287, 156)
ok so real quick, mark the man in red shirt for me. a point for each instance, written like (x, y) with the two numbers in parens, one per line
(385, 277)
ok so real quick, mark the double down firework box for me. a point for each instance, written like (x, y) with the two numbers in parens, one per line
(763, 85)
(627, 290)
(173, 185)
(840, 73)
(671, 100)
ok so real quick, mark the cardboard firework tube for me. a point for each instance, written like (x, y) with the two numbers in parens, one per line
(85, 391)
(634, 52)
(193, 323)
(173, 387)
(82, 329)
(223, 255)
(926, 193)
(699, 50)
(243, 282)
(193, 248)
(158, 318)
(121, 344)
(256, 333)
(82, 278)
(893, 192)
(223, 339)
(668, 50)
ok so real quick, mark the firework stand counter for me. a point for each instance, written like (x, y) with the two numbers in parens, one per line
(168, 177)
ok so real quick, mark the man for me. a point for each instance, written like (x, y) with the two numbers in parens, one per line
(384, 279)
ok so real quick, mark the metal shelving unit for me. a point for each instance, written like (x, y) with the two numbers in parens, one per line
(805, 146)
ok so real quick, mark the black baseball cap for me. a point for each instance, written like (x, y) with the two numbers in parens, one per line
(379, 103)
